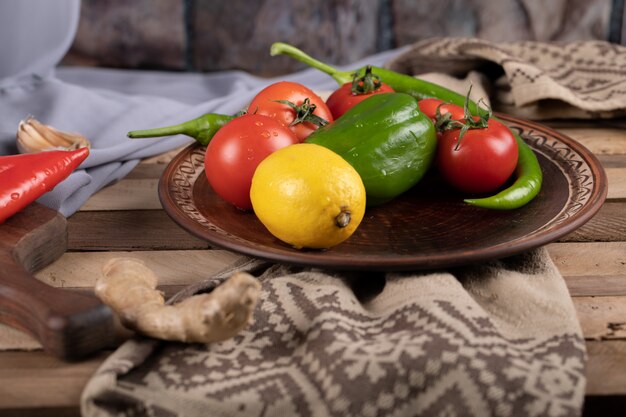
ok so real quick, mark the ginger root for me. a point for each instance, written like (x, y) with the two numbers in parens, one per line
(129, 288)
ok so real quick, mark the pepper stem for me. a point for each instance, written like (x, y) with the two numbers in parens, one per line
(280, 48)
(179, 129)
(201, 128)
(343, 218)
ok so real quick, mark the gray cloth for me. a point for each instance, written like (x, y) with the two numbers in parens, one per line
(103, 105)
(499, 339)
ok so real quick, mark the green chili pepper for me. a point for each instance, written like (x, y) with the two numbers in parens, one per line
(401, 83)
(201, 129)
(389, 142)
(528, 171)
(526, 186)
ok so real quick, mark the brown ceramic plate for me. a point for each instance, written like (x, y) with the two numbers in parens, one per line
(428, 227)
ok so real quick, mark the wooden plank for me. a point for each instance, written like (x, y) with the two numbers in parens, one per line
(580, 261)
(600, 275)
(598, 124)
(608, 225)
(589, 259)
(600, 141)
(591, 269)
(73, 411)
(602, 318)
(137, 191)
(30, 380)
(81, 269)
(145, 170)
(165, 157)
(605, 367)
(127, 194)
(13, 339)
(596, 285)
(617, 183)
(128, 230)
(613, 161)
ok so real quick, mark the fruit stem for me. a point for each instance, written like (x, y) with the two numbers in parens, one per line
(304, 113)
(343, 218)
(365, 84)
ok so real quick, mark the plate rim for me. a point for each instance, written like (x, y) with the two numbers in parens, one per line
(327, 260)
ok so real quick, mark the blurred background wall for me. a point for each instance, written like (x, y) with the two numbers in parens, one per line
(212, 35)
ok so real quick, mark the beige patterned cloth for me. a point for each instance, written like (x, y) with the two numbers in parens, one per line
(535, 80)
(499, 339)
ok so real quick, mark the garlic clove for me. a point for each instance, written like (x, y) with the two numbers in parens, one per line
(49, 133)
(33, 136)
(28, 137)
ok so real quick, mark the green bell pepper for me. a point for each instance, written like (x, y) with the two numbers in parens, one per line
(389, 142)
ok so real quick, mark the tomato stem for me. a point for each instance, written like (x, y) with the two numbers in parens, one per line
(365, 84)
(444, 122)
(304, 113)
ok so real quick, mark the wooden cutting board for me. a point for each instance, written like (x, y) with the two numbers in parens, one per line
(68, 324)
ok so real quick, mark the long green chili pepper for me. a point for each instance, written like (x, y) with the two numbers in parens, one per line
(523, 190)
(528, 171)
(201, 128)
(401, 83)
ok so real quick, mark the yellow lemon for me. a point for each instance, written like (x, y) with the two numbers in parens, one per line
(308, 196)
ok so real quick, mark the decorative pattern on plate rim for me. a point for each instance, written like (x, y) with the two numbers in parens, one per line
(574, 167)
(181, 190)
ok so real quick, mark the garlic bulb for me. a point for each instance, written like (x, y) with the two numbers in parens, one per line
(33, 136)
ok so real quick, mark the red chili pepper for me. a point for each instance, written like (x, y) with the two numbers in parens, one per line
(24, 178)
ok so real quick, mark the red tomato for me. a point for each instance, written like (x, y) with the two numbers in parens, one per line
(428, 106)
(237, 149)
(342, 99)
(265, 103)
(484, 160)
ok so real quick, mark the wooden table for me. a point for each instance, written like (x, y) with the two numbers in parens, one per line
(127, 216)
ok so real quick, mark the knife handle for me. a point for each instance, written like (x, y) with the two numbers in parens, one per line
(68, 324)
